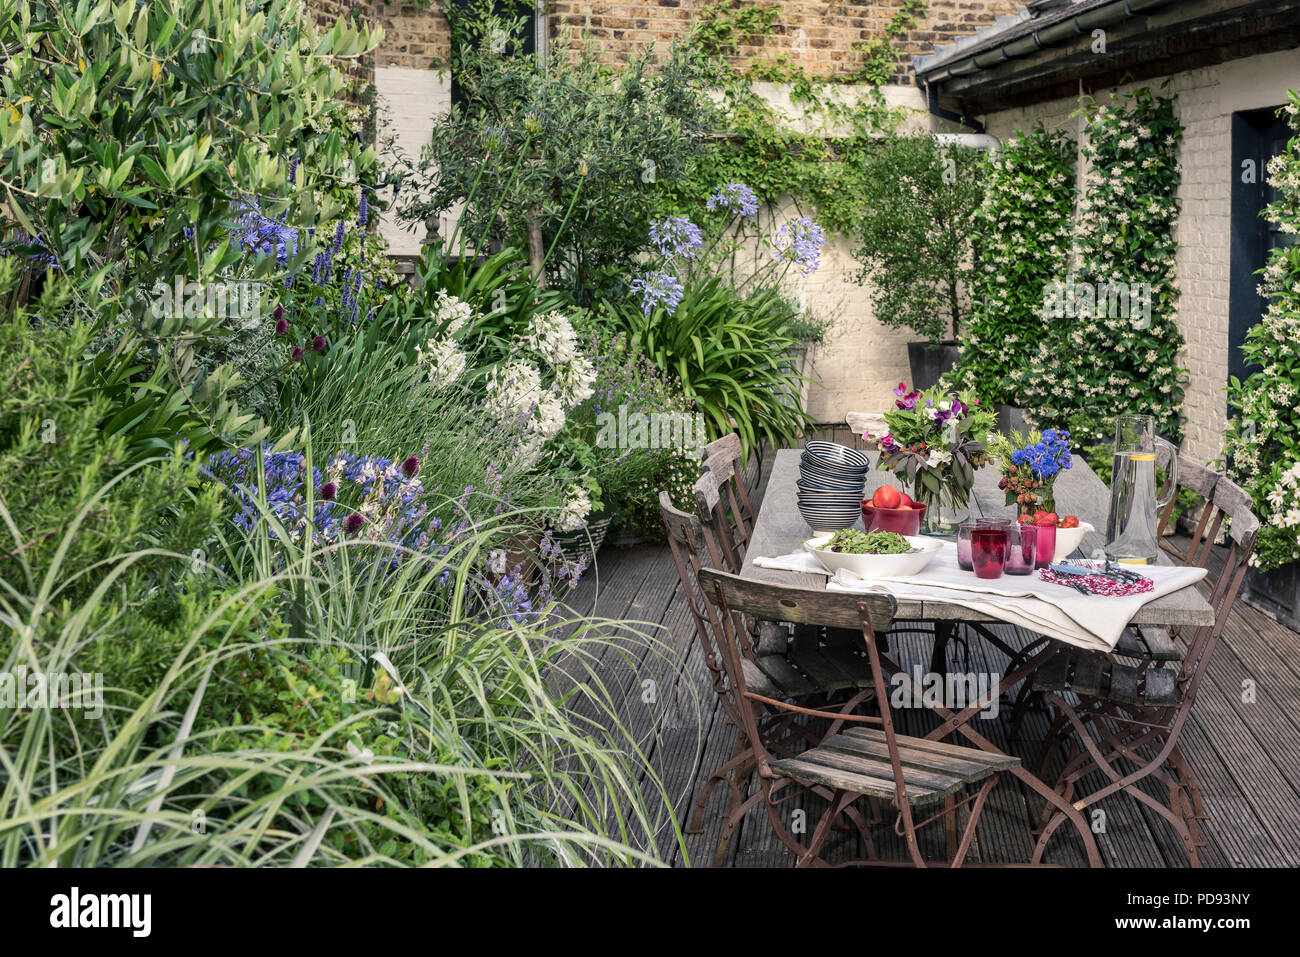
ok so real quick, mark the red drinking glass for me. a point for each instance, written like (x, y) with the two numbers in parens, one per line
(1046, 547)
(988, 547)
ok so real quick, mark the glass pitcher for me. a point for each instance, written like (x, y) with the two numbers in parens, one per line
(1131, 523)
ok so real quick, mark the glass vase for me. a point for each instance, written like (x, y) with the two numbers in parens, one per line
(944, 511)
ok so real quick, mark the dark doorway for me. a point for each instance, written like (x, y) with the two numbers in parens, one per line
(1257, 136)
(523, 41)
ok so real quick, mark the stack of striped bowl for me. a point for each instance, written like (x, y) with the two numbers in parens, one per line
(831, 480)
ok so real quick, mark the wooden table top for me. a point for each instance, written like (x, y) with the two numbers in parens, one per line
(780, 530)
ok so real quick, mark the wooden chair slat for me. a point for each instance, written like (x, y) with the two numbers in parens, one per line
(1161, 687)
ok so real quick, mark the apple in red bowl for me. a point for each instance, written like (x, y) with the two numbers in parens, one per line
(890, 510)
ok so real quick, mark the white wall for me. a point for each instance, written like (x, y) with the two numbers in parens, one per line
(409, 99)
(1205, 101)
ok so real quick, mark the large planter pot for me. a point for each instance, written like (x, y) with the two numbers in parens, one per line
(585, 541)
(1011, 418)
(1276, 592)
(929, 361)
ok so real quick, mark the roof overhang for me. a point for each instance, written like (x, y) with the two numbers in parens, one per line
(1046, 51)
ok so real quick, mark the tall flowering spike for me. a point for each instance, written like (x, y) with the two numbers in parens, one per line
(363, 210)
(337, 246)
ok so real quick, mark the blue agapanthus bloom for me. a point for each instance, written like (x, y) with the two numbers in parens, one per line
(256, 233)
(676, 236)
(799, 242)
(658, 288)
(736, 197)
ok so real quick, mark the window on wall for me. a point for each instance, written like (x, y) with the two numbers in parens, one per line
(1257, 136)
(529, 37)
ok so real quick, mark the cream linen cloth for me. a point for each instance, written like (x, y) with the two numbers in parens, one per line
(804, 562)
(1094, 622)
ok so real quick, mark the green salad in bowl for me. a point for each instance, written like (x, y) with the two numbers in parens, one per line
(850, 541)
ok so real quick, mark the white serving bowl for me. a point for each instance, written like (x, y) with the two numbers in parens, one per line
(877, 566)
(1068, 539)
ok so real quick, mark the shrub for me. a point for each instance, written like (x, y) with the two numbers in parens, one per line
(1021, 243)
(1262, 444)
(914, 240)
(1097, 364)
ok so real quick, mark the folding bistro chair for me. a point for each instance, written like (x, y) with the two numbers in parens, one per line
(734, 515)
(1148, 645)
(860, 761)
(775, 668)
(1128, 718)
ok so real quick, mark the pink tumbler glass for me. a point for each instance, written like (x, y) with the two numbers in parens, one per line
(963, 545)
(1021, 549)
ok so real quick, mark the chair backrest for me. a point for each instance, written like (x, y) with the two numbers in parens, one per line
(724, 458)
(690, 550)
(1200, 481)
(1229, 501)
(872, 614)
(719, 534)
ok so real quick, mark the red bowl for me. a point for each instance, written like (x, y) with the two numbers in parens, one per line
(905, 521)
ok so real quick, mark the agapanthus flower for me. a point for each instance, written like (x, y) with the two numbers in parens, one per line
(513, 390)
(551, 335)
(444, 359)
(658, 288)
(736, 197)
(573, 512)
(676, 236)
(799, 242)
(451, 313)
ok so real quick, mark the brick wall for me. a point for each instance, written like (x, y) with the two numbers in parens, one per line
(817, 36)
(1205, 101)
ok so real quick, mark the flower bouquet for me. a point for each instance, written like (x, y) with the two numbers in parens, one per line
(935, 443)
(1030, 465)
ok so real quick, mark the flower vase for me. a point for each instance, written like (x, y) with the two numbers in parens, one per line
(944, 511)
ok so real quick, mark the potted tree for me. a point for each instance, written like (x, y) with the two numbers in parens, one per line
(914, 243)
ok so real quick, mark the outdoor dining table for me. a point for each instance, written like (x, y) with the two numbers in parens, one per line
(781, 530)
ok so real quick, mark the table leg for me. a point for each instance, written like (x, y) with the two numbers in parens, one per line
(943, 631)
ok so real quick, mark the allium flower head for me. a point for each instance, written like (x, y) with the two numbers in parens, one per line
(329, 491)
(296, 355)
(352, 524)
(411, 466)
(318, 343)
(281, 326)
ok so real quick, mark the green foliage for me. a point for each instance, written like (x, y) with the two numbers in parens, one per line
(564, 151)
(1262, 444)
(920, 203)
(1100, 364)
(1021, 242)
(734, 356)
(152, 118)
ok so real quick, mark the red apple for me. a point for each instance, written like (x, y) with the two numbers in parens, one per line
(905, 500)
(886, 497)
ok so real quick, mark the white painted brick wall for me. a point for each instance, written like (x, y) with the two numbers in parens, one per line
(409, 99)
(1205, 101)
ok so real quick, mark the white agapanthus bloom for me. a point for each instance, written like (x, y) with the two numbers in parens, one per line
(574, 511)
(451, 312)
(549, 418)
(551, 335)
(574, 382)
(443, 360)
(513, 390)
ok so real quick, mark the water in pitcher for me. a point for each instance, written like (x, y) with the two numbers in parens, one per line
(1131, 524)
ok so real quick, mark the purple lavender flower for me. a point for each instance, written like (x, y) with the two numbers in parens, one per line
(337, 246)
(676, 236)
(293, 168)
(799, 242)
(736, 197)
(658, 288)
(363, 211)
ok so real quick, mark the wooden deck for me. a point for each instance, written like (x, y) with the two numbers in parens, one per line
(1243, 739)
